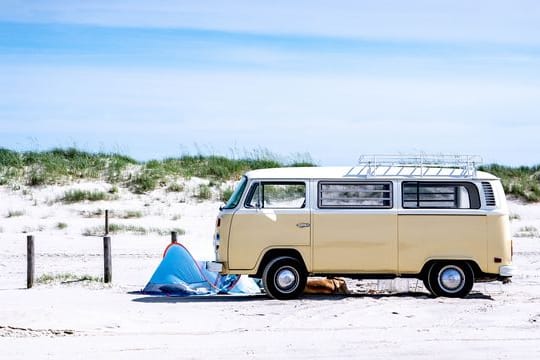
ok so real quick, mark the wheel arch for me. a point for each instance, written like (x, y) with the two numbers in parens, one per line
(472, 263)
(274, 253)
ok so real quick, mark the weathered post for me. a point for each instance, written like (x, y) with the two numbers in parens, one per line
(106, 222)
(107, 261)
(174, 237)
(30, 264)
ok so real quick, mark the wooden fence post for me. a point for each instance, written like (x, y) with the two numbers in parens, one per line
(30, 264)
(107, 261)
(174, 237)
(106, 222)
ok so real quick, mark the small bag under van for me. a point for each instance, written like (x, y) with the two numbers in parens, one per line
(436, 219)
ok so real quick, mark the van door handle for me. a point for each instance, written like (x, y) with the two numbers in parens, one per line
(303, 225)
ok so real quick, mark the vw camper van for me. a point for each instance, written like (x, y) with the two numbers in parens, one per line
(437, 219)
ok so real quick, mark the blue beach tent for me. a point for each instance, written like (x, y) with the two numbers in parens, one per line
(179, 274)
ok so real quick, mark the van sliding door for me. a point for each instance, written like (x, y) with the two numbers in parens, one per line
(355, 228)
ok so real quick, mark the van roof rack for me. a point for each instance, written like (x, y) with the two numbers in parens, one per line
(419, 165)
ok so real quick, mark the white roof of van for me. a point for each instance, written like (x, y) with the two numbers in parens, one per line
(361, 172)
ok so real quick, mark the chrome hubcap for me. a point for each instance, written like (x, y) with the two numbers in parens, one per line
(451, 278)
(286, 279)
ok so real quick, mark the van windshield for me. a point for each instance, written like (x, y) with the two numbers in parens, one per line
(237, 194)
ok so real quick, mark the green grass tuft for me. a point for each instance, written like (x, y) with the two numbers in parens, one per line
(130, 214)
(15, 213)
(528, 231)
(514, 216)
(133, 229)
(226, 194)
(61, 225)
(144, 182)
(73, 196)
(175, 187)
(204, 192)
(49, 278)
(92, 213)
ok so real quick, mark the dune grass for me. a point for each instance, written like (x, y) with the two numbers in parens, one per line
(60, 166)
(204, 192)
(130, 214)
(158, 173)
(514, 216)
(61, 225)
(49, 278)
(175, 187)
(37, 168)
(130, 228)
(522, 182)
(15, 213)
(73, 196)
(119, 214)
(528, 232)
(226, 194)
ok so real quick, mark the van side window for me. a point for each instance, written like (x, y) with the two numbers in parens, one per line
(438, 195)
(277, 196)
(356, 195)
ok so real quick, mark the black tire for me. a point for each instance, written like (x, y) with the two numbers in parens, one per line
(454, 280)
(284, 278)
(425, 280)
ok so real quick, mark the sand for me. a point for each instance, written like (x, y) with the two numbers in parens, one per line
(88, 319)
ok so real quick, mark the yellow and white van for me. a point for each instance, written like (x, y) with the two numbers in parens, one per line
(445, 224)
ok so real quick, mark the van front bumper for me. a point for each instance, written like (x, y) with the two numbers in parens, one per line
(214, 266)
(507, 270)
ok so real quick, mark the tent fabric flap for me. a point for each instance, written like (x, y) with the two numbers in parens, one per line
(179, 274)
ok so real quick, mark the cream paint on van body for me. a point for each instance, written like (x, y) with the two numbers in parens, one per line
(254, 231)
(446, 236)
(500, 242)
(355, 241)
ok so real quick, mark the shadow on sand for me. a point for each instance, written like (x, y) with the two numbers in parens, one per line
(153, 299)
(157, 299)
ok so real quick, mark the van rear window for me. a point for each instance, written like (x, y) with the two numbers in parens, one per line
(437, 195)
(356, 195)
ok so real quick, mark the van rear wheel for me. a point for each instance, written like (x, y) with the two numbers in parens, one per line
(284, 278)
(453, 280)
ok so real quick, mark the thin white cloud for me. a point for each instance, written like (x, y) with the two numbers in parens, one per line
(491, 21)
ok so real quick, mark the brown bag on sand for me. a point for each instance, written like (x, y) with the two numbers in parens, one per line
(326, 286)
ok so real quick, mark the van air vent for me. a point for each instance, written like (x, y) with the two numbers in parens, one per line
(488, 193)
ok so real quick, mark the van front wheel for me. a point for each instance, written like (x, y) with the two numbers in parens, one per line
(284, 278)
(450, 279)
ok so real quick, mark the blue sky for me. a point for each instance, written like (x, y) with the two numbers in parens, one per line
(332, 79)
